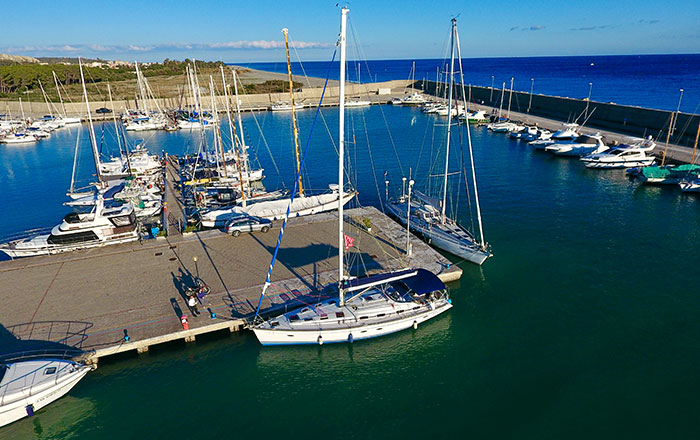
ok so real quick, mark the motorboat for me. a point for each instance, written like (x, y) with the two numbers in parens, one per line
(476, 117)
(623, 156)
(665, 175)
(285, 106)
(357, 103)
(146, 123)
(582, 146)
(443, 233)
(538, 134)
(26, 386)
(18, 138)
(140, 162)
(523, 132)
(689, 185)
(105, 224)
(569, 133)
(504, 127)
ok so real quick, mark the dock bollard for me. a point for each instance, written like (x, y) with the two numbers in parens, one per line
(185, 323)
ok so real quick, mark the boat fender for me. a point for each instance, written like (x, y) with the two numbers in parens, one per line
(30, 410)
(320, 340)
(350, 338)
(415, 325)
(184, 322)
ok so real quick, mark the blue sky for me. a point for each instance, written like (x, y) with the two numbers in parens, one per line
(236, 31)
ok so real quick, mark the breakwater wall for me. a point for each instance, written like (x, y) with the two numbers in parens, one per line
(634, 121)
(307, 95)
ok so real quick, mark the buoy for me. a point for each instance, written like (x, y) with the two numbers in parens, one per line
(350, 338)
(185, 324)
(415, 325)
(320, 340)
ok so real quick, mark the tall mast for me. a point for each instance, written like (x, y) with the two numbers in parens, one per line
(93, 141)
(341, 156)
(500, 107)
(233, 138)
(469, 142)
(46, 99)
(510, 96)
(294, 112)
(449, 119)
(116, 127)
(63, 104)
(244, 152)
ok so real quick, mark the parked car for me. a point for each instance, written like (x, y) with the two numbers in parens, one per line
(103, 110)
(247, 223)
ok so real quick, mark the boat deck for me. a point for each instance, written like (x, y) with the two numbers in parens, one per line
(138, 288)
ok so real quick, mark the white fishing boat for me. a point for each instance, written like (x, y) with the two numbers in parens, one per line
(477, 117)
(105, 224)
(285, 107)
(26, 386)
(358, 103)
(360, 308)
(628, 155)
(18, 138)
(584, 145)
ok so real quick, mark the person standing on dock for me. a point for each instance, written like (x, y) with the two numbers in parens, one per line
(192, 303)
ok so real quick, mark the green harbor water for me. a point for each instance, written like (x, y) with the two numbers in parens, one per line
(585, 323)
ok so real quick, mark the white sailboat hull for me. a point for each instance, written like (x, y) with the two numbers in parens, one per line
(276, 209)
(618, 164)
(348, 334)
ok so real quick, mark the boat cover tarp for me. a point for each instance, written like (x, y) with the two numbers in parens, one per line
(110, 193)
(423, 281)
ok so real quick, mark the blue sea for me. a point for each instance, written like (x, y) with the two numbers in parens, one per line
(652, 81)
(583, 325)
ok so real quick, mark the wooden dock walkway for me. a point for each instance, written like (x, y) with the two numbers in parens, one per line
(174, 212)
(137, 289)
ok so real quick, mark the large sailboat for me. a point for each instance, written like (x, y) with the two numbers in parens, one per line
(428, 216)
(359, 308)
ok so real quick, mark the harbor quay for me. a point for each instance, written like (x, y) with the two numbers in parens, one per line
(132, 296)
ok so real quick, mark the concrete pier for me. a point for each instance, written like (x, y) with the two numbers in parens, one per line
(138, 289)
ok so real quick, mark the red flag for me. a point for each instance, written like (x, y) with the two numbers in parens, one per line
(349, 241)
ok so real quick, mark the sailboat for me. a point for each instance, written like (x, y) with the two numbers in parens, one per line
(428, 216)
(275, 209)
(360, 308)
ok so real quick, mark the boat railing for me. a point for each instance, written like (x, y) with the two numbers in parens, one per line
(45, 335)
(25, 234)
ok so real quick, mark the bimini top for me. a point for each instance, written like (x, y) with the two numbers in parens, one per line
(421, 281)
(111, 192)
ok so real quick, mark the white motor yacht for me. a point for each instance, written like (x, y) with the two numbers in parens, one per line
(567, 134)
(523, 132)
(477, 117)
(504, 127)
(582, 146)
(26, 386)
(104, 225)
(623, 156)
(357, 103)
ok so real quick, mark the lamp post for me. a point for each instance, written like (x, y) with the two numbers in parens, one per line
(196, 268)
(678, 108)
(588, 99)
(491, 97)
(532, 87)
(408, 219)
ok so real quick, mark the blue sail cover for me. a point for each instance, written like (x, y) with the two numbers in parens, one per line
(423, 281)
(109, 194)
